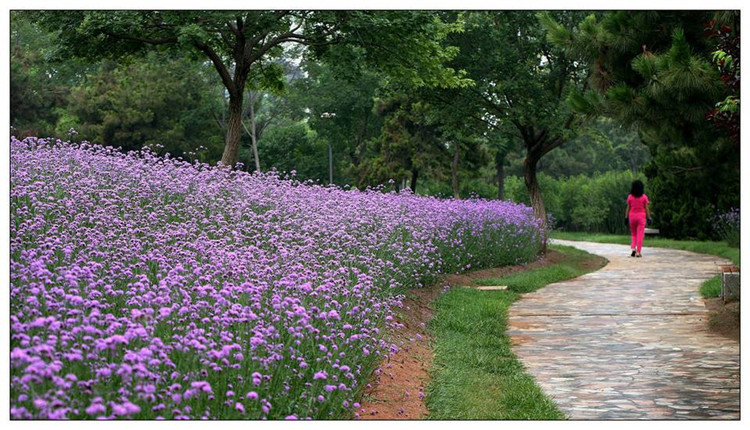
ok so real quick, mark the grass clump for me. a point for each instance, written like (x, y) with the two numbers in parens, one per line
(712, 287)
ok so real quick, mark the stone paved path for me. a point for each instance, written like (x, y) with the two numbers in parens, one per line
(629, 341)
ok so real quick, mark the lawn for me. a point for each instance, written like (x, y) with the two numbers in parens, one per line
(475, 373)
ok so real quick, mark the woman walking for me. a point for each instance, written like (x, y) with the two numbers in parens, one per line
(636, 215)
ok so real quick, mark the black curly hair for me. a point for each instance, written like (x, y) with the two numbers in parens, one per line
(637, 188)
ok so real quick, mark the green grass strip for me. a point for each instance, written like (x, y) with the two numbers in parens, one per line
(710, 288)
(720, 249)
(475, 374)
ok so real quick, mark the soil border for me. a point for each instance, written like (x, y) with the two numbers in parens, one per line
(395, 391)
(723, 318)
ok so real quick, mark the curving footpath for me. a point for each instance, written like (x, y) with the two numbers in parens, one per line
(629, 341)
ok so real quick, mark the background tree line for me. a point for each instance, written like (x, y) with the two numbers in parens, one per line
(560, 110)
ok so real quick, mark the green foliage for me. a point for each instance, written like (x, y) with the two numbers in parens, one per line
(581, 203)
(521, 83)
(32, 39)
(653, 70)
(242, 45)
(161, 99)
(341, 110)
(473, 355)
(599, 148)
(711, 288)
(39, 87)
(519, 76)
(417, 138)
(32, 97)
(694, 184)
(292, 147)
(406, 45)
(156, 101)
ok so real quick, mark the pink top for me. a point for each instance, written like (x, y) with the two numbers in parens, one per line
(638, 204)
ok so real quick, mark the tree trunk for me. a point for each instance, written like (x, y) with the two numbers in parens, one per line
(253, 136)
(414, 176)
(359, 149)
(500, 167)
(234, 132)
(330, 164)
(529, 175)
(454, 172)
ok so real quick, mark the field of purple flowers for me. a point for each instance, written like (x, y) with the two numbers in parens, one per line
(145, 287)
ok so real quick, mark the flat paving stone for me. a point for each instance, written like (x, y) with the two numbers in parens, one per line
(630, 341)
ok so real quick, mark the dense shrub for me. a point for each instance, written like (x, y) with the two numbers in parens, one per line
(581, 203)
(693, 186)
(289, 147)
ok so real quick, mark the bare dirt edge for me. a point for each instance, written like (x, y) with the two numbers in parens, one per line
(396, 390)
(723, 318)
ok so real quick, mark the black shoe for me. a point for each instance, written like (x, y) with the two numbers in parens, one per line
(638, 256)
(632, 254)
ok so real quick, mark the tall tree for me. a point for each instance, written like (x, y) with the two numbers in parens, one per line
(502, 147)
(39, 85)
(421, 139)
(653, 71)
(643, 70)
(159, 100)
(242, 43)
(341, 109)
(406, 146)
(521, 83)
(33, 97)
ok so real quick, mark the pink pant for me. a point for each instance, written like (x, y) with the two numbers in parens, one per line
(637, 226)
